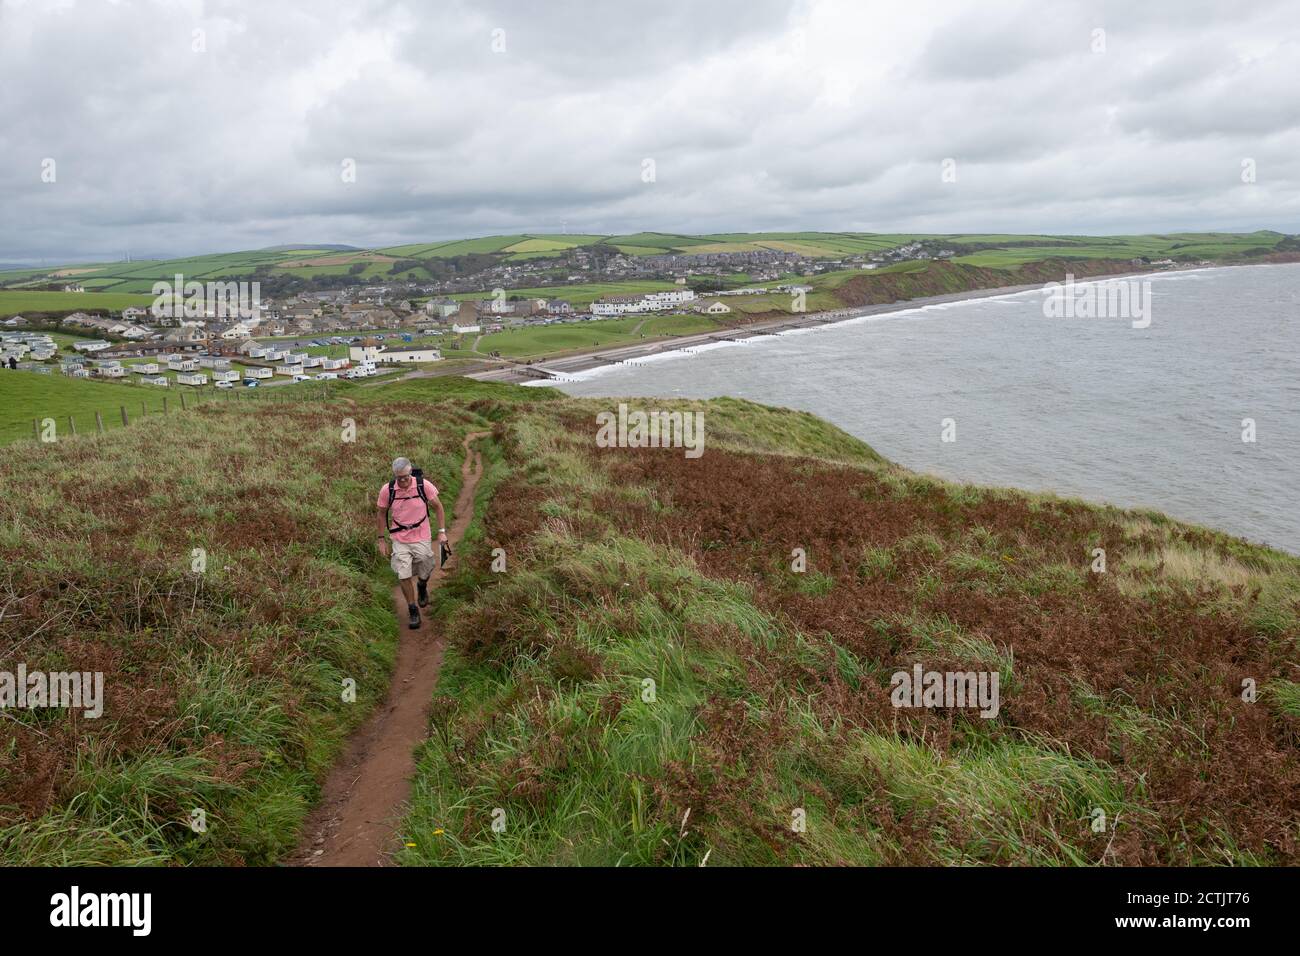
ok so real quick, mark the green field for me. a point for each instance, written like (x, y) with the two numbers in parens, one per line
(20, 303)
(541, 340)
(25, 395)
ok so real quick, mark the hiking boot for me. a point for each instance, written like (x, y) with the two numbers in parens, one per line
(422, 586)
(415, 616)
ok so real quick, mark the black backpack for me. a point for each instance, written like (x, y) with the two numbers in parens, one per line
(418, 475)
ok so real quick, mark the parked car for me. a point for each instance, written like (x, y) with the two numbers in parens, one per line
(225, 384)
(250, 383)
(326, 376)
(302, 378)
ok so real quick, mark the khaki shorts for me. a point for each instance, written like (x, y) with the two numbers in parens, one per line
(416, 556)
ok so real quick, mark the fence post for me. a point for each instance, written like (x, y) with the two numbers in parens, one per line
(99, 422)
(36, 431)
(182, 401)
(142, 409)
(164, 404)
(73, 425)
(125, 420)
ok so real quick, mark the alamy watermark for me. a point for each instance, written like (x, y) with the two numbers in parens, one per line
(76, 690)
(651, 429)
(75, 908)
(197, 300)
(1097, 299)
(951, 689)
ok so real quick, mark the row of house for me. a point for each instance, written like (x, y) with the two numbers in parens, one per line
(120, 327)
(648, 302)
(471, 310)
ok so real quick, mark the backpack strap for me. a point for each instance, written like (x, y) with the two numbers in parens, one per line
(396, 526)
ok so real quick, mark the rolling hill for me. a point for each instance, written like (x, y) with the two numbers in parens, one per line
(407, 261)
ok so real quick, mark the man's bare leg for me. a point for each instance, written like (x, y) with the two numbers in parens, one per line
(408, 588)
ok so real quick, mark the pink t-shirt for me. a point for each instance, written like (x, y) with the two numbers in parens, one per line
(408, 509)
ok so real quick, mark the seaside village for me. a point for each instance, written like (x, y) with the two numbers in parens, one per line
(362, 328)
(209, 351)
(195, 352)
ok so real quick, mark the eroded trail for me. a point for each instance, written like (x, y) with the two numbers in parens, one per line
(366, 792)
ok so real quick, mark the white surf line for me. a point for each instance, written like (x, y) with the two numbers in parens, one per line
(1194, 272)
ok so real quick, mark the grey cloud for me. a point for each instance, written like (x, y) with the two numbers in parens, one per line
(818, 114)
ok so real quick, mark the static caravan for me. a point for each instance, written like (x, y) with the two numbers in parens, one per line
(225, 376)
(257, 352)
(289, 370)
(333, 365)
(183, 365)
(191, 378)
(111, 371)
(80, 373)
(156, 380)
(258, 372)
(145, 368)
(295, 358)
(312, 361)
(274, 355)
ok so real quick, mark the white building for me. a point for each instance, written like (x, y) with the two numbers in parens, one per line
(258, 372)
(712, 308)
(408, 354)
(650, 302)
(461, 329)
(191, 378)
(91, 345)
(145, 368)
(442, 308)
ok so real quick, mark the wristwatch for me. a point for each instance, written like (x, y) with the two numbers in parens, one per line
(442, 531)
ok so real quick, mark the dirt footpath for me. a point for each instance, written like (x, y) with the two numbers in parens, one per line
(366, 792)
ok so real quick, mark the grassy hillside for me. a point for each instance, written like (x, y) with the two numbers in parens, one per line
(26, 303)
(24, 396)
(223, 687)
(1121, 692)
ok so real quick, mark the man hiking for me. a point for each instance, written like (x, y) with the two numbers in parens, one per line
(404, 513)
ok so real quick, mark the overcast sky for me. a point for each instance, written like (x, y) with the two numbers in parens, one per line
(189, 127)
